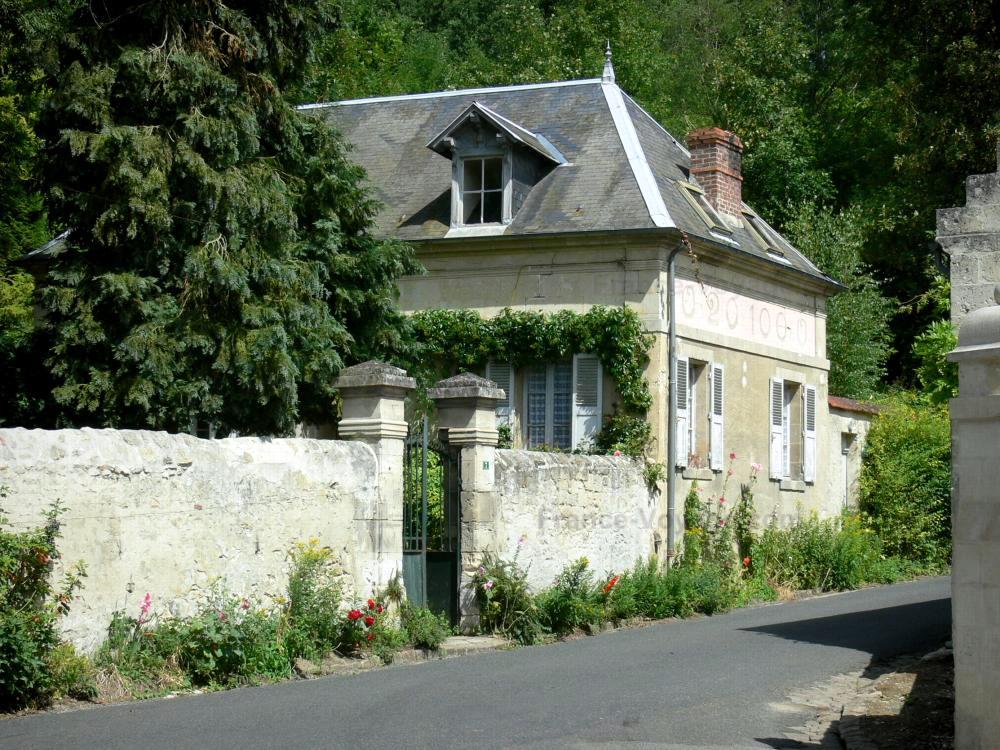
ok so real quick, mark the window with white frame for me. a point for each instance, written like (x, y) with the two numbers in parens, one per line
(700, 394)
(699, 202)
(482, 190)
(792, 415)
(563, 403)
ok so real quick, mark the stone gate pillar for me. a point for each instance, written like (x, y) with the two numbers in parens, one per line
(466, 407)
(373, 395)
(975, 589)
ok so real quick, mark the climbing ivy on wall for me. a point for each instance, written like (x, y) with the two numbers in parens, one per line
(446, 341)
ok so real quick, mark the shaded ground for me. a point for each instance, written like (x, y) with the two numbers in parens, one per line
(913, 706)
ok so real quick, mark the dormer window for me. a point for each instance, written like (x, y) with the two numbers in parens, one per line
(482, 190)
(763, 236)
(494, 164)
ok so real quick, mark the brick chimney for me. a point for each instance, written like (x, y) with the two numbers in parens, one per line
(717, 163)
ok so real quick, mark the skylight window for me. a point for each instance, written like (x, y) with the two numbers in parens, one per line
(696, 197)
(762, 235)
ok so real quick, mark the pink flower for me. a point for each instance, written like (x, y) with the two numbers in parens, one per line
(722, 501)
(245, 604)
(521, 540)
(482, 570)
(488, 585)
(618, 453)
(147, 604)
(756, 467)
(732, 456)
(729, 473)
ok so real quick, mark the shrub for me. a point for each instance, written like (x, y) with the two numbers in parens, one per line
(29, 608)
(73, 674)
(627, 433)
(506, 605)
(906, 480)
(424, 628)
(312, 627)
(828, 555)
(573, 601)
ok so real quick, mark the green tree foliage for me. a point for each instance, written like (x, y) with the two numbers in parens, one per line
(906, 480)
(858, 338)
(219, 266)
(937, 376)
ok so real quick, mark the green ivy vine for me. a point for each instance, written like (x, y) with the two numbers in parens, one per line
(447, 341)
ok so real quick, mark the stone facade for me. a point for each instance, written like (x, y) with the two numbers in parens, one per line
(173, 515)
(553, 508)
(971, 236)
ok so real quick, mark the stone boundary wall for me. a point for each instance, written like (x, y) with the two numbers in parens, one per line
(173, 515)
(554, 508)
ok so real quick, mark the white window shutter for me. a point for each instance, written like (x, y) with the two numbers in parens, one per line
(776, 408)
(682, 392)
(587, 393)
(717, 452)
(809, 434)
(502, 374)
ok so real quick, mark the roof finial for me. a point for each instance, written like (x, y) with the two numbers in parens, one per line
(609, 70)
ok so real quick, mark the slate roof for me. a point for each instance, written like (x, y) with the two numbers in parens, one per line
(621, 170)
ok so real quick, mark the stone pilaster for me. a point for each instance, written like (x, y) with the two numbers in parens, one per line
(975, 424)
(373, 394)
(466, 407)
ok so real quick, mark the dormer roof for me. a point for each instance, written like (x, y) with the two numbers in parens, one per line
(440, 143)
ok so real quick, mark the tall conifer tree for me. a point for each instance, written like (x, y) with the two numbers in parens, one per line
(219, 267)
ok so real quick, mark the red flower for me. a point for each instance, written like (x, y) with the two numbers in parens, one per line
(369, 621)
(354, 614)
(732, 456)
(371, 636)
(610, 585)
(379, 609)
(746, 561)
(371, 604)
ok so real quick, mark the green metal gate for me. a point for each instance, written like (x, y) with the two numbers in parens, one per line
(431, 523)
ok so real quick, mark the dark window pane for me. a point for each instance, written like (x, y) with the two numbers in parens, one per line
(494, 174)
(493, 207)
(473, 174)
(471, 202)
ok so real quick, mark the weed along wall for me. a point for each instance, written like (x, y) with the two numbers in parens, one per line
(553, 508)
(174, 515)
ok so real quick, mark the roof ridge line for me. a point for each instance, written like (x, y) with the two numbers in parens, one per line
(455, 92)
(641, 170)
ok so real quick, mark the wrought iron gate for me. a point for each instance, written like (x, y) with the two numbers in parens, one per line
(431, 523)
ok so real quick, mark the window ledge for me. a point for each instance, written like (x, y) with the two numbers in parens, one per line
(792, 485)
(477, 230)
(706, 475)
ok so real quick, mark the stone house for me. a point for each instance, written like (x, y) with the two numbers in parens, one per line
(566, 195)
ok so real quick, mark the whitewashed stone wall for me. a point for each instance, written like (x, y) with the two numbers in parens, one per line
(553, 508)
(173, 515)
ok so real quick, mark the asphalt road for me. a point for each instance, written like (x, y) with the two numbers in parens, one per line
(717, 682)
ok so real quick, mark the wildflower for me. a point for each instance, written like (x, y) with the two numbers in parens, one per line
(756, 466)
(354, 615)
(223, 617)
(379, 609)
(618, 453)
(729, 473)
(147, 603)
(482, 570)
(371, 604)
(520, 542)
(371, 637)
(732, 456)
(746, 561)
(245, 604)
(610, 585)
(369, 621)
(722, 501)
(722, 522)
(488, 585)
